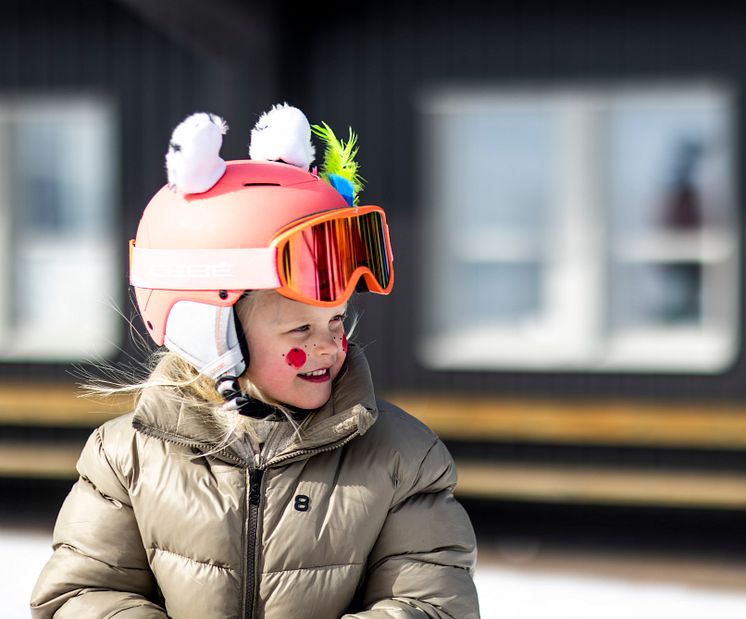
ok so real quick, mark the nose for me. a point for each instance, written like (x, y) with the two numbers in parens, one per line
(328, 344)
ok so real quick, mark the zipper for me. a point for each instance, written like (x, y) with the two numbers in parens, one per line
(177, 440)
(253, 504)
(312, 452)
(253, 498)
(253, 507)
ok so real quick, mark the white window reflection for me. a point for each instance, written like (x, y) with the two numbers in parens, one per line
(590, 228)
(59, 272)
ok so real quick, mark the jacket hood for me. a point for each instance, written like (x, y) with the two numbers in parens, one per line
(350, 411)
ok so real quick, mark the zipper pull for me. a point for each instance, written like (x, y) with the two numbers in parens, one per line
(255, 487)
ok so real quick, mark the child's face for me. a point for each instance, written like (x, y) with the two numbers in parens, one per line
(296, 350)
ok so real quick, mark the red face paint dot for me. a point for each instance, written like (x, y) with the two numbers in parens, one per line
(296, 358)
(344, 342)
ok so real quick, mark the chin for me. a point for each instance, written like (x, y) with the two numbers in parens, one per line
(311, 403)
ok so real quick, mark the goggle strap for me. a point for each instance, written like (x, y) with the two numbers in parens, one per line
(204, 269)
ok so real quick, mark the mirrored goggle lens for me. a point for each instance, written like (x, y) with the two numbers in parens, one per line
(320, 262)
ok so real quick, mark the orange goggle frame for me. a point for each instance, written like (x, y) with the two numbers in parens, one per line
(317, 260)
(321, 259)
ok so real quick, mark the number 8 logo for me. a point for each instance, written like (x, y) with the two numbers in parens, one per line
(302, 503)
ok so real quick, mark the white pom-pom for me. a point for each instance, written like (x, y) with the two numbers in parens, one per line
(283, 134)
(193, 160)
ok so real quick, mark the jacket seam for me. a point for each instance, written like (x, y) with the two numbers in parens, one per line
(333, 566)
(77, 550)
(409, 494)
(114, 501)
(176, 554)
(410, 602)
(122, 610)
(418, 561)
(100, 441)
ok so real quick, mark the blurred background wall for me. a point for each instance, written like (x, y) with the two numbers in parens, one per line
(564, 186)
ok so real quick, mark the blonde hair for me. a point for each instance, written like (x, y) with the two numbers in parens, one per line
(197, 392)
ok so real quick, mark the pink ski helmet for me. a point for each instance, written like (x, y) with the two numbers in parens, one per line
(219, 229)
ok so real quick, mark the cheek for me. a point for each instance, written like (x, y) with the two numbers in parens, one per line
(295, 358)
(344, 343)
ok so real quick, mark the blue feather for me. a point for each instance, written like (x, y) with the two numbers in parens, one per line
(343, 186)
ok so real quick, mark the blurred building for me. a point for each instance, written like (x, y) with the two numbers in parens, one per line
(565, 194)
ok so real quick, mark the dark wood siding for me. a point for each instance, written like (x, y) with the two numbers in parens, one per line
(367, 66)
(154, 81)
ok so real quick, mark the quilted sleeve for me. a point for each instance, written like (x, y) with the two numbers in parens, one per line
(98, 567)
(423, 560)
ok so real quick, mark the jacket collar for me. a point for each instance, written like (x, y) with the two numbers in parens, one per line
(350, 411)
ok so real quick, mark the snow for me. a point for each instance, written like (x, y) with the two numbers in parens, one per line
(504, 592)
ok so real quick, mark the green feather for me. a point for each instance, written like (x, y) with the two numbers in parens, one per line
(339, 157)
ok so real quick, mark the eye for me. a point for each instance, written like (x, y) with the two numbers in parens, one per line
(301, 329)
(338, 319)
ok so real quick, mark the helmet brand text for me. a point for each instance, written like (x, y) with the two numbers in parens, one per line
(224, 269)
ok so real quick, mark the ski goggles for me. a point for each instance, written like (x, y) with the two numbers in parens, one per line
(319, 260)
(322, 259)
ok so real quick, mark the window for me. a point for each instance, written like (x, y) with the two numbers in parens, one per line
(580, 228)
(59, 272)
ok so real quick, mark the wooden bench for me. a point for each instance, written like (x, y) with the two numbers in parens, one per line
(585, 423)
(631, 423)
(483, 419)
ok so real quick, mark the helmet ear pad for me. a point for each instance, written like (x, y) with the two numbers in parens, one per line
(206, 336)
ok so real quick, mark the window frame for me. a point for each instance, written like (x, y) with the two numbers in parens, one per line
(579, 254)
(95, 343)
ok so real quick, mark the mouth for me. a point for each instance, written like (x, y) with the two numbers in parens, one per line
(317, 376)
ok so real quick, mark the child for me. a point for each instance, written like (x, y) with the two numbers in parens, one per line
(258, 476)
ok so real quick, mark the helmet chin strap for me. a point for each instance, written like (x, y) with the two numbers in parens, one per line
(230, 387)
(236, 400)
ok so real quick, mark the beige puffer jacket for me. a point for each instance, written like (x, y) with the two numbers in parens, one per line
(356, 520)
